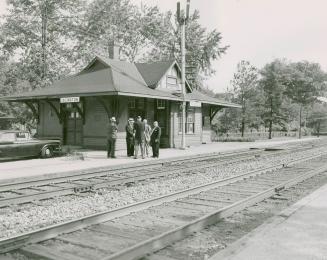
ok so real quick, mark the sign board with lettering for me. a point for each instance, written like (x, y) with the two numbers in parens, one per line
(69, 100)
(195, 103)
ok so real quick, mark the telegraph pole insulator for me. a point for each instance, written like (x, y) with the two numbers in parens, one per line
(187, 9)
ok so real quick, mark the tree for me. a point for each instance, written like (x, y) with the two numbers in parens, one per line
(272, 84)
(304, 81)
(34, 29)
(36, 45)
(202, 47)
(317, 116)
(118, 21)
(244, 84)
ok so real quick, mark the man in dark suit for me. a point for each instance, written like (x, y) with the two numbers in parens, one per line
(130, 137)
(112, 130)
(139, 137)
(155, 139)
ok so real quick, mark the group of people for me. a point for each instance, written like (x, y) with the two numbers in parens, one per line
(139, 136)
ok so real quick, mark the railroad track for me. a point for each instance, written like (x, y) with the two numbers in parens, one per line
(41, 189)
(133, 231)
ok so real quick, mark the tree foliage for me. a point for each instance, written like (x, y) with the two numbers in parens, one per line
(202, 47)
(37, 35)
(304, 82)
(44, 40)
(317, 117)
(272, 85)
(244, 85)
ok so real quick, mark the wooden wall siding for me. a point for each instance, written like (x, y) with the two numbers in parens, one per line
(100, 142)
(150, 111)
(162, 84)
(96, 120)
(191, 139)
(123, 114)
(49, 125)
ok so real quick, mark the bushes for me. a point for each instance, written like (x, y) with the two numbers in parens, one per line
(234, 139)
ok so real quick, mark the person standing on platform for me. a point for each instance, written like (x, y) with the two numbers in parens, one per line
(139, 140)
(112, 130)
(155, 139)
(147, 136)
(130, 137)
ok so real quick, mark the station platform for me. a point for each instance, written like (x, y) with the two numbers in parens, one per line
(297, 233)
(88, 159)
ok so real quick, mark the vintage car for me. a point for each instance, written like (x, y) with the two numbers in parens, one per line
(19, 144)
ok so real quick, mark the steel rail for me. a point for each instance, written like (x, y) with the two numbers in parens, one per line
(158, 242)
(76, 188)
(15, 242)
(101, 171)
(105, 184)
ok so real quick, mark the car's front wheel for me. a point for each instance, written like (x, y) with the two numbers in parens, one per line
(46, 152)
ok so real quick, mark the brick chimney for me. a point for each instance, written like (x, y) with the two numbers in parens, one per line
(113, 50)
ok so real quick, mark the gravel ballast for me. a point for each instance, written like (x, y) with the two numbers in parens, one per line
(28, 217)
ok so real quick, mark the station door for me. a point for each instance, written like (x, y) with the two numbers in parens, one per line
(73, 128)
(162, 116)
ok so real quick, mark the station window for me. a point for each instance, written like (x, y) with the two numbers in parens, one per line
(136, 107)
(171, 80)
(190, 121)
(131, 103)
(140, 103)
(161, 104)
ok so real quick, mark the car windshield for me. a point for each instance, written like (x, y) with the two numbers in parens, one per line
(7, 137)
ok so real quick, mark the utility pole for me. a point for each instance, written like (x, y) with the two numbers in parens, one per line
(44, 18)
(182, 20)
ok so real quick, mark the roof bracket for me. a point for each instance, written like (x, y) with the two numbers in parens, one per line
(104, 101)
(114, 104)
(35, 108)
(56, 110)
(214, 111)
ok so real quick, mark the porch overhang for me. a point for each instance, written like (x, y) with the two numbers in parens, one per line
(27, 98)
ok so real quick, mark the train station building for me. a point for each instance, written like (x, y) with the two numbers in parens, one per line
(77, 108)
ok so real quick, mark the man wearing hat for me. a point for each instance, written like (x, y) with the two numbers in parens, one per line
(130, 137)
(111, 138)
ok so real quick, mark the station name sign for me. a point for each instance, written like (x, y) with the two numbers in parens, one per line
(69, 100)
(195, 103)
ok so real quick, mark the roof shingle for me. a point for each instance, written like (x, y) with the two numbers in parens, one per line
(153, 72)
(117, 78)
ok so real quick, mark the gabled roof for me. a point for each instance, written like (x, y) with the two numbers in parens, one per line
(116, 78)
(153, 72)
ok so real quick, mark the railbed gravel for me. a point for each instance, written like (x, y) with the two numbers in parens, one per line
(28, 217)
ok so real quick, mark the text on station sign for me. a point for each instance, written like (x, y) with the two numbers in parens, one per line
(69, 100)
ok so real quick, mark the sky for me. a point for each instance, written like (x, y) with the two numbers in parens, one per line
(258, 31)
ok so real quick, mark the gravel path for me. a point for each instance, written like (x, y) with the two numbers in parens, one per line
(28, 217)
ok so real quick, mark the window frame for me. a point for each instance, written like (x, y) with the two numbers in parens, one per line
(161, 106)
(188, 124)
(133, 102)
(171, 77)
